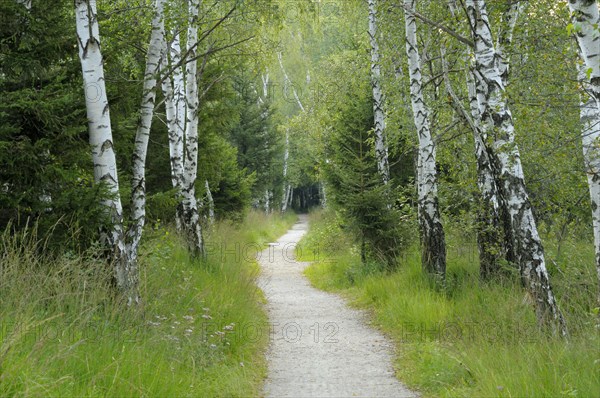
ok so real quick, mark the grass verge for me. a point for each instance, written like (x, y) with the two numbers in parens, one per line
(471, 339)
(198, 333)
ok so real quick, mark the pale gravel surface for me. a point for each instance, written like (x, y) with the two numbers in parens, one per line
(319, 346)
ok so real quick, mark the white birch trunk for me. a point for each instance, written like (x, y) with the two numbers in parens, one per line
(489, 239)
(211, 203)
(178, 90)
(156, 53)
(286, 187)
(590, 120)
(381, 150)
(267, 202)
(290, 196)
(176, 156)
(101, 141)
(174, 93)
(493, 213)
(496, 119)
(585, 21)
(433, 246)
(264, 100)
(265, 81)
(505, 38)
(586, 18)
(190, 213)
(288, 83)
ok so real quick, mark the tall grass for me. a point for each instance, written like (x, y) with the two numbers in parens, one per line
(200, 332)
(471, 339)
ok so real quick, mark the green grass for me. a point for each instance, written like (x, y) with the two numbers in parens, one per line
(62, 333)
(471, 339)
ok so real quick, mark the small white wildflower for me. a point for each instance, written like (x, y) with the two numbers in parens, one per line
(242, 364)
(176, 323)
(205, 309)
(228, 327)
(188, 318)
(213, 346)
(206, 316)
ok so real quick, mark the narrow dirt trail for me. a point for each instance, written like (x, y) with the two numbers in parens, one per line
(319, 346)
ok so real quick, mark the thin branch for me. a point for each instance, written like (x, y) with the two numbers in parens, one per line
(456, 103)
(440, 26)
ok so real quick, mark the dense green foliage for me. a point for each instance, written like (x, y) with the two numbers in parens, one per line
(255, 138)
(45, 174)
(356, 190)
(472, 338)
(47, 171)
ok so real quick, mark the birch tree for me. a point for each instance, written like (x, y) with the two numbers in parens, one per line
(287, 188)
(156, 52)
(190, 214)
(433, 244)
(173, 88)
(585, 21)
(101, 140)
(489, 239)
(492, 217)
(381, 150)
(210, 202)
(125, 248)
(263, 101)
(497, 123)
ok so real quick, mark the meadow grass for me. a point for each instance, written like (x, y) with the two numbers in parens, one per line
(201, 330)
(471, 338)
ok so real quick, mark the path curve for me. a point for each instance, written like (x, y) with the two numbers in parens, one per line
(319, 346)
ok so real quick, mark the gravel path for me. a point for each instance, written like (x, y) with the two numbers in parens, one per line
(319, 346)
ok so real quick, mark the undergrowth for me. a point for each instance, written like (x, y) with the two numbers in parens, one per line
(200, 331)
(471, 338)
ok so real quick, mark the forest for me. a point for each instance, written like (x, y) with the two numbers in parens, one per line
(444, 157)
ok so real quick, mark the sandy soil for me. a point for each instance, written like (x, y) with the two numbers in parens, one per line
(320, 347)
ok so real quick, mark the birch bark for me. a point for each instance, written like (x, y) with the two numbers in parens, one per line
(156, 53)
(211, 203)
(496, 121)
(586, 19)
(101, 140)
(286, 185)
(489, 239)
(493, 216)
(190, 213)
(288, 83)
(433, 246)
(381, 150)
(173, 89)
